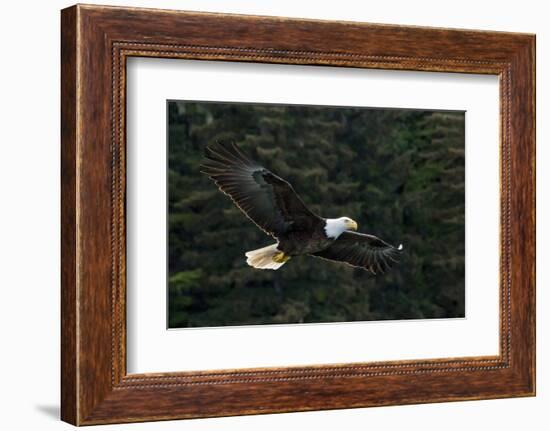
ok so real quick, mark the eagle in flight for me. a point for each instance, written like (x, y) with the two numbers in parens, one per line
(273, 205)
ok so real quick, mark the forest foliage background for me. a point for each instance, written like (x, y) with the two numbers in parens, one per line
(399, 173)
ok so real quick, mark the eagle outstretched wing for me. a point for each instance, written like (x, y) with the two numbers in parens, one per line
(268, 200)
(362, 250)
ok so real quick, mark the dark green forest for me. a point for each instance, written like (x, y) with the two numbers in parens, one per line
(399, 173)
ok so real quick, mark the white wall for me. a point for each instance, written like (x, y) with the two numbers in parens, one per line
(29, 217)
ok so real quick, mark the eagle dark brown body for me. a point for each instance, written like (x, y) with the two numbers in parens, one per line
(298, 242)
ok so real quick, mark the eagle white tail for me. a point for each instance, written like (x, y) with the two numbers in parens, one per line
(266, 258)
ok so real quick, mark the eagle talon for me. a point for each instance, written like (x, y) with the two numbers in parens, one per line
(280, 257)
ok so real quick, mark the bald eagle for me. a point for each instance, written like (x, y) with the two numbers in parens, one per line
(273, 205)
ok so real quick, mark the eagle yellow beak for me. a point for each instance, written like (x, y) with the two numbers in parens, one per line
(352, 225)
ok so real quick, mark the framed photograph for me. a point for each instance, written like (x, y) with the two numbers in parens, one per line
(264, 214)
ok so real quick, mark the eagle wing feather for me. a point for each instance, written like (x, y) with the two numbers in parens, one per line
(363, 251)
(266, 199)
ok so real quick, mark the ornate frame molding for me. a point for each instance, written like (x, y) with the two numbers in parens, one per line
(96, 41)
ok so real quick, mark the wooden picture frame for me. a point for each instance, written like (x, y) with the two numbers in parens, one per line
(95, 43)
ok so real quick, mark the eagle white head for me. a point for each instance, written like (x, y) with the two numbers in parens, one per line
(337, 226)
